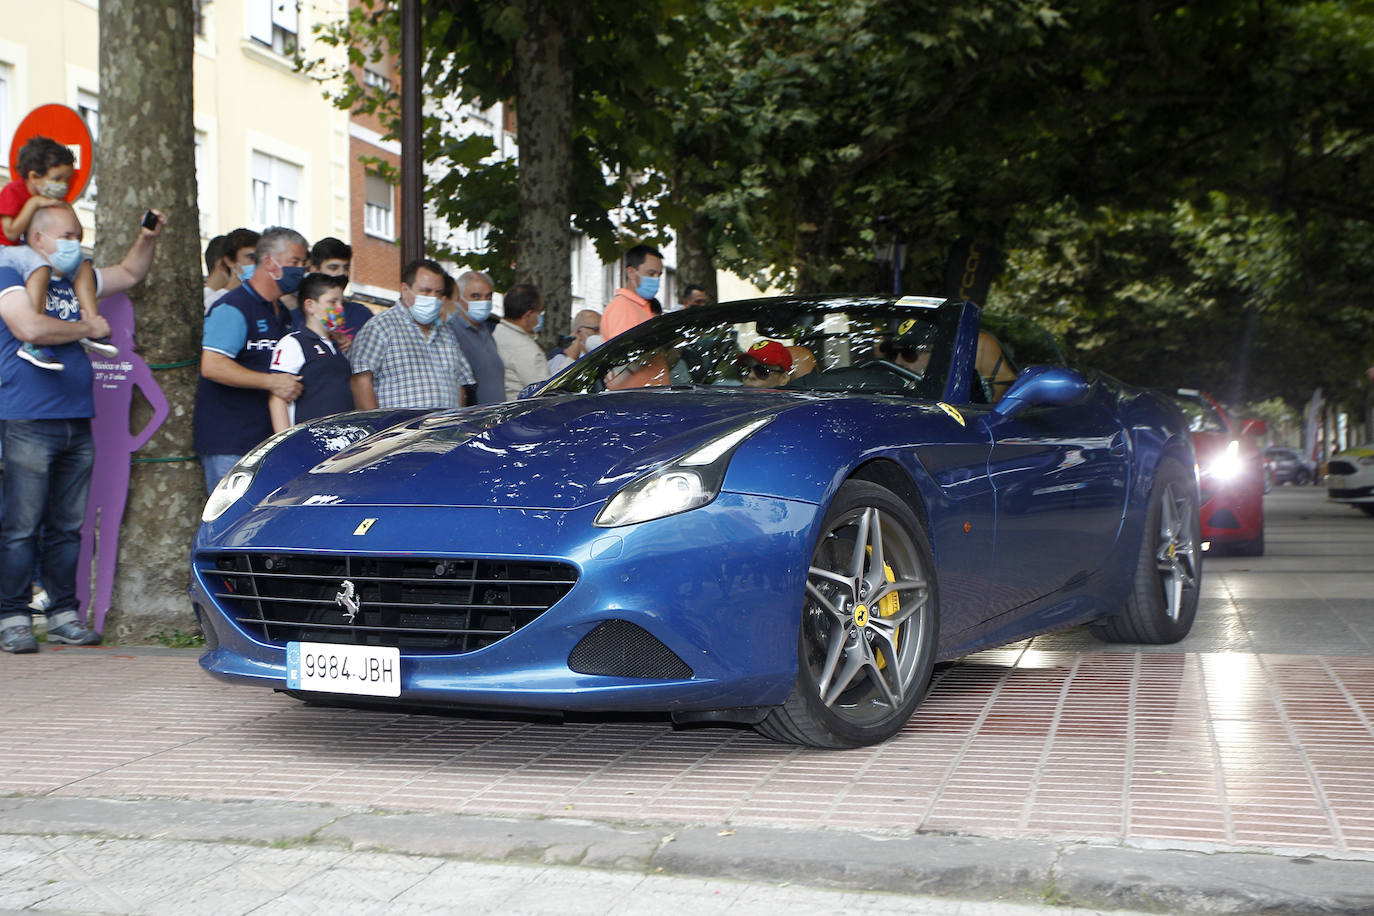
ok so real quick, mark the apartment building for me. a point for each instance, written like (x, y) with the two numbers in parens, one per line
(270, 148)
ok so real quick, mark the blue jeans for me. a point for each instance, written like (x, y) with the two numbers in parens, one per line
(47, 477)
(215, 467)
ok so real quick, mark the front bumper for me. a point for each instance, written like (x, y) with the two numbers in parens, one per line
(721, 587)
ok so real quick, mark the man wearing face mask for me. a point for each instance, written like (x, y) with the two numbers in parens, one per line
(517, 338)
(240, 333)
(475, 336)
(632, 306)
(407, 356)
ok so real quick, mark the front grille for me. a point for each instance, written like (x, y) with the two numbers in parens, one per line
(1340, 468)
(436, 605)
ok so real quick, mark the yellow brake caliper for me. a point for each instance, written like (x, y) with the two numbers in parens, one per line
(888, 606)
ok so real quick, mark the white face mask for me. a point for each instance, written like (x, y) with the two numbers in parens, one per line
(479, 309)
(425, 309)
(594, 341)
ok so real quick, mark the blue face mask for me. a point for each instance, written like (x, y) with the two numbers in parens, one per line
(67, 256)
(290, 279)
(647, 288)
(425, 309)
(479, 309)
(539, 325)
(246, 272)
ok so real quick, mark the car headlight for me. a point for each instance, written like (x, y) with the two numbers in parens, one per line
(1366, 460)
(1227, 465)
(687, 482)
(240, 476)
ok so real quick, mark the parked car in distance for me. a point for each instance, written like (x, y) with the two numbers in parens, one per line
(1350, 478)
(1231, 475)
(1287, 465)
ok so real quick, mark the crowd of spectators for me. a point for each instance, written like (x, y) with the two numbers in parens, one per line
(282, 343)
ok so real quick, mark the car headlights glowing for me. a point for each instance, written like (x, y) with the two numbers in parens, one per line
(236, 482)
(688, 482)
(1227, 465)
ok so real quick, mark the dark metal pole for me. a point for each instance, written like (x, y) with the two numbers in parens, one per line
(412, 164)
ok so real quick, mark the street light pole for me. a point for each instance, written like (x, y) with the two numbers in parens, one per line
(412, 163)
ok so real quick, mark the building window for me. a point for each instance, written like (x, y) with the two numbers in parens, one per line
(203, 188)
(6, 125)
(88, 106)
(578, 244)
(275, 23)
(376, 79)
(199, 17)
(276, 191)
(377, 209)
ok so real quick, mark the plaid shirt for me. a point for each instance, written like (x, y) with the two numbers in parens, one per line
(409, 369)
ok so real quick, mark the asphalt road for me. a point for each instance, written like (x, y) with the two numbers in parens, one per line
(1231, 773)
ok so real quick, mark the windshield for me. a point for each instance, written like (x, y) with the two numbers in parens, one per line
(1202, 416)
(876, 346)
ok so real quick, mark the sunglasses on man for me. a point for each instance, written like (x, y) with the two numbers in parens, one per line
(761, 371)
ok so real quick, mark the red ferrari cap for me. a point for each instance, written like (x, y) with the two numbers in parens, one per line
(771, 353)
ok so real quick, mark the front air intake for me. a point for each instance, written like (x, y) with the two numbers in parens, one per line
(618, 648)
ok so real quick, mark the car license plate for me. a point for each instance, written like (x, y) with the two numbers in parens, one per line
(373, 671)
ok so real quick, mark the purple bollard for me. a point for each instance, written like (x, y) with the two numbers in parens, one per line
(115, 381)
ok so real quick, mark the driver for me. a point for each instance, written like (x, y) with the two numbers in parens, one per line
(767, 364)
(909, 347)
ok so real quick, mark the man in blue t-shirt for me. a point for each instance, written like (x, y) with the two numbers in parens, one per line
(47, 457)
(240, 333)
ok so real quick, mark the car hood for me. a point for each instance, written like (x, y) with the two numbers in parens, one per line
(541, 453)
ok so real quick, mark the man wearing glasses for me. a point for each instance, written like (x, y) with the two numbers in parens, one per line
(767, 364)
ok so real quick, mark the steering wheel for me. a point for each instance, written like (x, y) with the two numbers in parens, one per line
(895, 369)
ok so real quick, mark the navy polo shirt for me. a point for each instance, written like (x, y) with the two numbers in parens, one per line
(324, 371)
(244, 327)
(30, 393)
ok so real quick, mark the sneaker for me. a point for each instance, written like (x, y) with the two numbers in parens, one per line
(41, 357)
(18, 640)
(100, 345)
(72, 633)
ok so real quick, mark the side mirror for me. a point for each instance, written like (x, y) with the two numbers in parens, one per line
(1254, 428)
(1042, 386)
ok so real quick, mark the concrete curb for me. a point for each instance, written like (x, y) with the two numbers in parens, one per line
(978, 868)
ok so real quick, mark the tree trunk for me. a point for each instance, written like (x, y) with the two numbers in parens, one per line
(694, 263)
(543, 110)
(146, 158)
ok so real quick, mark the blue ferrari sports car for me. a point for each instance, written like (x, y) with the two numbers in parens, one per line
(780, 512)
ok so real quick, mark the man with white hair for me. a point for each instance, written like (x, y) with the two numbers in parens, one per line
(240, 333)
(474, 334)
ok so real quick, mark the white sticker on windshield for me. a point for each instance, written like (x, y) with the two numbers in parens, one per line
(921, 302)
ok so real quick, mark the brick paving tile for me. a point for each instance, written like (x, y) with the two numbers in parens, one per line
(1118, 746)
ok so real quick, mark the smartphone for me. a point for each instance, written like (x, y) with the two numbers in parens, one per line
(149, 219)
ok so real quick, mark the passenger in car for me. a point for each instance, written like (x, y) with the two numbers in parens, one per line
(995, 371)
(767, 364)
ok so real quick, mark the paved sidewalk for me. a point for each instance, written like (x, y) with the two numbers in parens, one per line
(1231, 773)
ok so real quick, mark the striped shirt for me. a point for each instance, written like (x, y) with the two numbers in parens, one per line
(408, 368)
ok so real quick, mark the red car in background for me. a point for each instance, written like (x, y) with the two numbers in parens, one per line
(1231, 475)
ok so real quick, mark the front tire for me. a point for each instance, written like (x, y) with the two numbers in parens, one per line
(866, 644)
(1168, 575)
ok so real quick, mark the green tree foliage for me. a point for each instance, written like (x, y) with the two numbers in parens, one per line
(623, 54)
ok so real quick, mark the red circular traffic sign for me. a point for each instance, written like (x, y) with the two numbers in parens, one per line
(60, 123)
